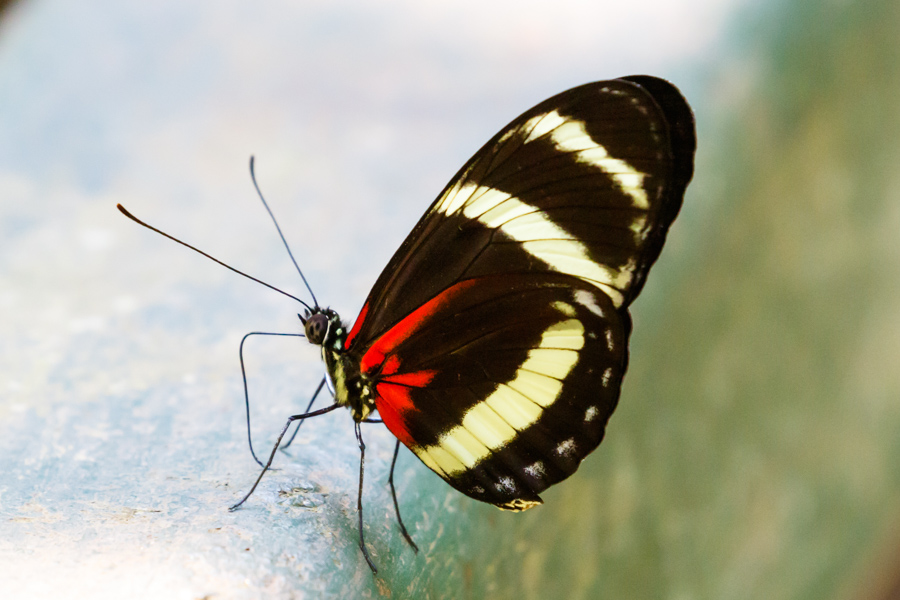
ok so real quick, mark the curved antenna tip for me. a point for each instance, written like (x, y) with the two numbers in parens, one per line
(280, 234)
(214, 259)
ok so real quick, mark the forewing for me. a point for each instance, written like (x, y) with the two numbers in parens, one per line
(503, 384)
(583, 185)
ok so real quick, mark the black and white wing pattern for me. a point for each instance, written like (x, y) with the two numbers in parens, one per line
(496, 339)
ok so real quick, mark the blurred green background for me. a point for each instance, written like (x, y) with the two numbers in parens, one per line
(752, 453)
(765, 386)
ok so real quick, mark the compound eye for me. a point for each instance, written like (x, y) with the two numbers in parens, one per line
(316, 326)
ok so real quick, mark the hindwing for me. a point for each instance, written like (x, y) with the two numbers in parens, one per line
(502, 384)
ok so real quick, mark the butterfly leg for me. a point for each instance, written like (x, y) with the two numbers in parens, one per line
(284, 429)
(394, 496)
(308, 407)
(359, 506)
(247, 393)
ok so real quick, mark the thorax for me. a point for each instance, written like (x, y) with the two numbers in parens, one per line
(350, 386)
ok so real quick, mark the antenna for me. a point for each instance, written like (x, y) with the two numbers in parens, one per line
(175, 239)
(281, 235)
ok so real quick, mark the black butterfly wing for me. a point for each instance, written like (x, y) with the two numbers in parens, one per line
(568, 206)
(597, 172)
(502, 384)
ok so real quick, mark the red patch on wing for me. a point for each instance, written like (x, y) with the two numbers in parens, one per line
(390, 365)
(357, 325)
(414, 379)
(393, 401)
(375, 355)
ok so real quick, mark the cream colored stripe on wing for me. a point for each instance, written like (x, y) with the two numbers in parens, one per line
(539, 236)
(570, 135)
(513, 406)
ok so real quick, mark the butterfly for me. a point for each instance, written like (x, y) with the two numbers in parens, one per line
(494, 343)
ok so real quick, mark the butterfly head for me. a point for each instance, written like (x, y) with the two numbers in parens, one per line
(323, 327)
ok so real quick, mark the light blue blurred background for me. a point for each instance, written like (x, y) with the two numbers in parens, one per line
(754, 451)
